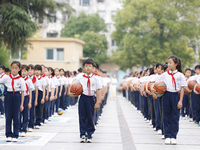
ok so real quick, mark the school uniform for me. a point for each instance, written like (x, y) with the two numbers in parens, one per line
(62, 98)
(52, 85)
(32, 110)
(25, 113)
(197, 103)
(39, 108)
(174, 81)
(1, 102)
(86, 104)
(14, 84)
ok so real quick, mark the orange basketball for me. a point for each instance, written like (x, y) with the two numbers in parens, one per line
(76, 88)
(191, 84)
(198, 88)
(145, 85)
(149, 85)
(124, 88)
(160, 87)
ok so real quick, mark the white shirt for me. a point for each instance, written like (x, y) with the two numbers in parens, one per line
(36, 84)
(179, 79)
(113, 81)
(47, 81)
(59, 80)
(51, 84)
(101, 81)
(41, 82)
(19, 84)
(2, 75)
(144, 79)
(94, 84)
(30, 86)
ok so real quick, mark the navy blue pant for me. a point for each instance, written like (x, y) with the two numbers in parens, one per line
(32, 112)
(171, 114)
(194, 98)
(12, 105)
(39, 109)
(86, 114)
(161, 114)
(157, 114)
(62, 99)
(57, 102)
(145, 99)
(124, 93)
(186, 105)
(1, 107)
(198, 109)
(46, 112)
(24, 116)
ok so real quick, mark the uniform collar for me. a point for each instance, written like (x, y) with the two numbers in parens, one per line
(15, 76)
(89, 75)
(173, 71)
(2, 74)
(38, 76)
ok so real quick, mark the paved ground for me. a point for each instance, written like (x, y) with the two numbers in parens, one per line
(121, 128)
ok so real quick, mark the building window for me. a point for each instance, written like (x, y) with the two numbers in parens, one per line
(52, 34)
(102, 14)
(100, 1)
(84, 2)
(56, 54)
(113, 43)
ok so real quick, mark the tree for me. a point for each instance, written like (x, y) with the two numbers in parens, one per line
(18, 19)
(149, 31)
(87, 28)
(4, 56)
(95, 46)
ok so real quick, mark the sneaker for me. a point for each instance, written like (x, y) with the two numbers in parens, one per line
(8, 139)
(145, 119)
(154, 129)
(150, 122)
(45, 121)
(163, 137)
(173, 141)
(41, 123)
(167, 141)
(1, 116)
(55, 114)
(14, 139)
(199, 123)
(37, 127)
(89, 140)
(190, 120)
(30, 130)
(159, 132)
(83, 139)
(49, 119)
(23, 134)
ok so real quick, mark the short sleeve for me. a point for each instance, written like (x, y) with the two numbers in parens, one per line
(31, 86)
(23, 85)
(183, 80)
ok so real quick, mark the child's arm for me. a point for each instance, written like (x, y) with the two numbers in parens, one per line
(56, 92)
(179, 106)
(61, 87)
(36, 96)
(47, 96)
(65, 90)
(30, 99)
(52, 94)
(22, 101)
(98, 92)
(42, 101)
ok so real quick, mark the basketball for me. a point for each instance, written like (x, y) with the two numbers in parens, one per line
(76, 88)
(149, 86)
(145, 85)
(191, 84)
(3, 90)
(124, 88)
(60, 111)
(160, 87)
(198, 88)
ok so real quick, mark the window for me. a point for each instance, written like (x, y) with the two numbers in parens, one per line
(100, 1)
(84, 2)
(102, 14)
(65, 16)
(56, 54)
(52, 34)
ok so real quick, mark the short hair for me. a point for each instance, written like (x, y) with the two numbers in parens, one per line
(7, 70)
(197, 67)
(80, 70)
(17, 63)
(61, 69)
(88, 61)
(2, 67)
(38, 67)
(96, 66)
(24, 67)
(159, 64)
(30, 66)
(188, 69)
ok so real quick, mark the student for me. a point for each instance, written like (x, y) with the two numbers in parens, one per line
(172, 101)
(60, 87)
(2, 74)
(13, 100)
(41, 96)
(7, 71)
(86, 102)
(64, 89)
(27, 101)
(32, 77)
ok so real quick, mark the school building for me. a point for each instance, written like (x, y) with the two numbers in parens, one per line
(64, 53)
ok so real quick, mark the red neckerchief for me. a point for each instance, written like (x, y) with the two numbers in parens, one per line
(173, 79)
(88, 83)
(34, 79)
(26, 85)
(13, 82)
(2, 75)
(50, 77)
(39, 78)
(58, 77)
(96, 74)
(43, 75)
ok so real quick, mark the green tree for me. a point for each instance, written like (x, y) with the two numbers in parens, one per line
(4, 56)
(149, 31)
(95, 46)
(18, 19)
(78, 25)
(87, 28)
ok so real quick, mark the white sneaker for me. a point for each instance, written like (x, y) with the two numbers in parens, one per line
(45, 121)
(154, 129)
(1, 116)
(49, 119)
(14, 139)
(83, 139)
(23, 134)
(151, 126)
(163, 137)
(173, 141)
(190, 120)
(150, 122)
(167, 141)
(8, 139)
(30, 130)
(37, 127)
(159, 132)
(145, 119)
(89, 140)
(41, 123)
(55, 114)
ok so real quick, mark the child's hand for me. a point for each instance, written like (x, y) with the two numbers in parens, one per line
(47, 98)
(42, 101)
(29, 105)
(21, 108)
(65, 93)
(51, 98)
(55, 97)
(59, 94)
(2, 98)
(179, 105)
(96, 106)
(154, 96)
(36, 103)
